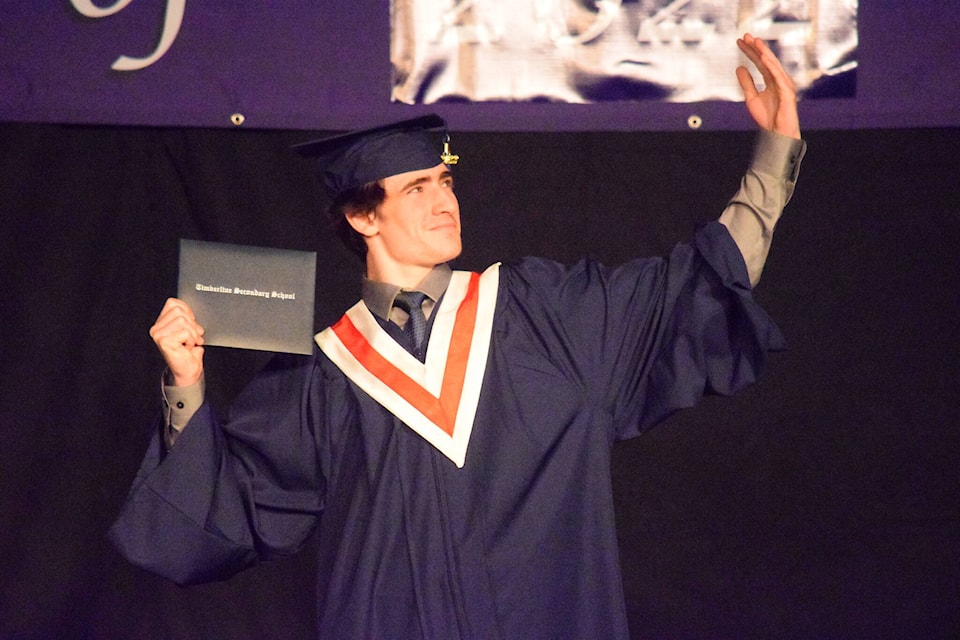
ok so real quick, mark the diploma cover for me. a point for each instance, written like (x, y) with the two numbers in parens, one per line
(250, 297)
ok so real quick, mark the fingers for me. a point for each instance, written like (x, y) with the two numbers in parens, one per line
(746, 83)
(753, 48)
(179, 338)
(176, 326)
(763, 58)
(749, 46)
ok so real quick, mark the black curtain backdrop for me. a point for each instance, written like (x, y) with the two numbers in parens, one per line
(821, 503)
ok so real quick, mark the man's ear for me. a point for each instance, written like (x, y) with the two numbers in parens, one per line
(363, 222)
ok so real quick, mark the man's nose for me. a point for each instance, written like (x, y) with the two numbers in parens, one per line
(444, 200)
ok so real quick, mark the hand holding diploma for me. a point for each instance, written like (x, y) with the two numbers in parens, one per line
(180, 340)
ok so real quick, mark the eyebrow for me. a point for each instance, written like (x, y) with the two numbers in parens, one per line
(424, 179)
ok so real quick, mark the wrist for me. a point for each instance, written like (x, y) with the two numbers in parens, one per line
(181, 379)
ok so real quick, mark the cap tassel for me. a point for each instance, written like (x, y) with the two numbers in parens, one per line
(446, 156)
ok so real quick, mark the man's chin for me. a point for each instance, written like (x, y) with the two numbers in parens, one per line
(451, 248)
(452, 255)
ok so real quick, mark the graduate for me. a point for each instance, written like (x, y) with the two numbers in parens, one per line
(449, 439)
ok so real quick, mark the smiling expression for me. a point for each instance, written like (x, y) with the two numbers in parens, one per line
(416, 227)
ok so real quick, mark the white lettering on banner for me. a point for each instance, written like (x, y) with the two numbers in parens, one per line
(171, 27)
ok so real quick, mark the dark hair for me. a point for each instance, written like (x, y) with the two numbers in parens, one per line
(354, 201)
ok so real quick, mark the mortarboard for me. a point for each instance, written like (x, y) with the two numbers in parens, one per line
(351, 160)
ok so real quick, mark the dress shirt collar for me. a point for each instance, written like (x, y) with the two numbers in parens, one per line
(378, 296)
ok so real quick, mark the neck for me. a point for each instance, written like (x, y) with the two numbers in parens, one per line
(403, 276)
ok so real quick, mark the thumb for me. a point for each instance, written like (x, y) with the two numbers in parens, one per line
(746, 83)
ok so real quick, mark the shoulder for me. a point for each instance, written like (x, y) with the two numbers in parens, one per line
(533, 273)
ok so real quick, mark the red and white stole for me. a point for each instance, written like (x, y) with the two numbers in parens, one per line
(437, 398)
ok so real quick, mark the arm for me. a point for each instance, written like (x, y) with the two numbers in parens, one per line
(179, 338)
(753, 212)
(766, 188)
(231, 493)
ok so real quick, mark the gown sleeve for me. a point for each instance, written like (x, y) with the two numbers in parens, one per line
(652, 336)
(235, 492)
(708, 336)
(643, 340)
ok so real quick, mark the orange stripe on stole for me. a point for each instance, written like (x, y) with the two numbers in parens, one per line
(440, 411)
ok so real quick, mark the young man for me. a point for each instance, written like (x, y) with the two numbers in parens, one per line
(454, 451)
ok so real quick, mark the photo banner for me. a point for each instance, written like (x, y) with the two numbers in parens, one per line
(582, 51)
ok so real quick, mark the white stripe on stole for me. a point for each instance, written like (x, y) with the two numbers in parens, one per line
(413, 390)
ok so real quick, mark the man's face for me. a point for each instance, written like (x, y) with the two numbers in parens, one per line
(416, 226)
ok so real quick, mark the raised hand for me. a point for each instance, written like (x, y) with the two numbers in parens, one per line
(180, 340)
(774, 108)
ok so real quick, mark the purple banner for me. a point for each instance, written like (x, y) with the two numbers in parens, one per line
(324, 65)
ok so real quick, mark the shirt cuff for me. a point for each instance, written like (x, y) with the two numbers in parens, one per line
(183, 402)
(778, 155)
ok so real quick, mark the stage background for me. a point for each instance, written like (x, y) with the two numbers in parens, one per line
(823, 502)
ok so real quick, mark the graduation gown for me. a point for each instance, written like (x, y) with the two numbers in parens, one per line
(515, 538)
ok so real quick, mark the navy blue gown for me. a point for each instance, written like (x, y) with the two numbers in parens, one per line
(520, 541)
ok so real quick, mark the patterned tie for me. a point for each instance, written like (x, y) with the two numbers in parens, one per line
(416, 327)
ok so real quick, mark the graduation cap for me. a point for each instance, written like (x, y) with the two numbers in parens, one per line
(351, 160)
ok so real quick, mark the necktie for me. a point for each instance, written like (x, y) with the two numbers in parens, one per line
(416, 326)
